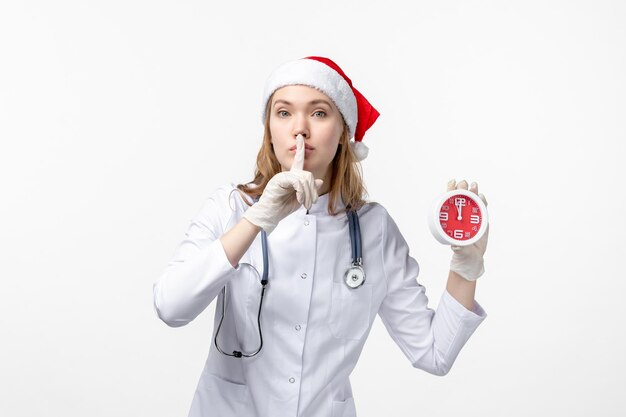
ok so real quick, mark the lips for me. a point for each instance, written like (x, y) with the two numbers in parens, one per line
(306, 147)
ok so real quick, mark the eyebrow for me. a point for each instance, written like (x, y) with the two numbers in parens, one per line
(310, 102)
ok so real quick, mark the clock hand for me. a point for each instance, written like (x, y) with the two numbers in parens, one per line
(458, 209)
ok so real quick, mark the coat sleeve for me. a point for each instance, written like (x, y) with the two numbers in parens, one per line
(430, 340)
(199, 267)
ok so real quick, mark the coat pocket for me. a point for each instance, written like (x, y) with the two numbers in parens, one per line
(350, 310)
(219, 397)
(344, 408)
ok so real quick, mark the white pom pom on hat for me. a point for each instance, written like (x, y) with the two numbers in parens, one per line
(323, 74)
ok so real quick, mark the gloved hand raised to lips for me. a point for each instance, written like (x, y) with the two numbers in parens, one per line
(285, 193)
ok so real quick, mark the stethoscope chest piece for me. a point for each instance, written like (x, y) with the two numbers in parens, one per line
(355, 276)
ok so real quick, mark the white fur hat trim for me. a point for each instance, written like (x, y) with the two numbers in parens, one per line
(318, 75)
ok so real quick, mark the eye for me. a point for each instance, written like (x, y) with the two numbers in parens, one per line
(323, 113)
(280, 113)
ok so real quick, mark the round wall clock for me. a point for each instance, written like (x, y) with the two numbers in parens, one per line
(459, 217)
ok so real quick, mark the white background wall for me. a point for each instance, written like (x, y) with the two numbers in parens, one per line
(118, 118)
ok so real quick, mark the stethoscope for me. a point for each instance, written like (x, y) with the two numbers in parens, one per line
(354, 276)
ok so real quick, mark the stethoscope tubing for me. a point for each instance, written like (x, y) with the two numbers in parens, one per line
(355, 241)
(355, 236)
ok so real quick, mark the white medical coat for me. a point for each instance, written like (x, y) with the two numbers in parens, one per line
(314, 326)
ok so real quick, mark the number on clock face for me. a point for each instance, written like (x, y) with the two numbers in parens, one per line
(460, 217)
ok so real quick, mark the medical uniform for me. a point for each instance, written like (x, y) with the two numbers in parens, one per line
(314, 327)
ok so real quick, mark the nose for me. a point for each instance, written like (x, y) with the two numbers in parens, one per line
(300, 126)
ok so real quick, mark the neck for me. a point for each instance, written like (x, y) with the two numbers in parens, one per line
(326, 186)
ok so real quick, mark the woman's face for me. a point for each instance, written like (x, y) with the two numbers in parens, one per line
(300, 109)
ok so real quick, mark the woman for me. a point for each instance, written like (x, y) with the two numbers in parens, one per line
(286, 346)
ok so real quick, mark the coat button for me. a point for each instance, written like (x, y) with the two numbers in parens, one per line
(306, 222)
(298, 327)
(303, 276)
(292, 380)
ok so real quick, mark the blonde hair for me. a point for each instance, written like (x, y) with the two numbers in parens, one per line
(346, 180)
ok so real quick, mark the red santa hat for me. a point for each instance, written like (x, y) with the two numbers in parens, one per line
(323, 74)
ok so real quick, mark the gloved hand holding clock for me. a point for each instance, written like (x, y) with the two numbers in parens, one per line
(459, 219)
(467, 261)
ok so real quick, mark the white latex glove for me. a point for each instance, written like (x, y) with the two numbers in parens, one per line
(285, 193)
(467, 261)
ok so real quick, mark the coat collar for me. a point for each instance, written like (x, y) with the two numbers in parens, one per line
(320, 207)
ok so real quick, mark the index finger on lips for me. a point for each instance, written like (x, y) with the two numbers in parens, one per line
(298, 160)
